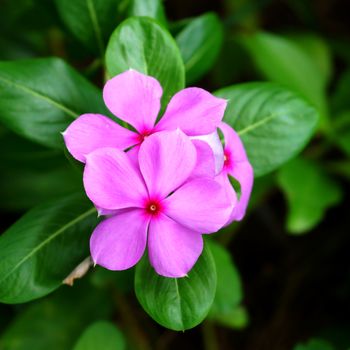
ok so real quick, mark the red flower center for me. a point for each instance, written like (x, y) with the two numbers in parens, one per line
(153, 207)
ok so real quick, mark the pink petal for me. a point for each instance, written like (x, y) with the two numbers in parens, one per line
(134, 98)
(213, 140)
(205, 165)
(92, 131)
(194, 111)
(173, 249)
(166, 161)
(111, 181)
(119, 242)
(200, 205)
(239, 168)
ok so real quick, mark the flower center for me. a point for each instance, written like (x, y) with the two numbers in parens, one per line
(227, 159)
(153, 207)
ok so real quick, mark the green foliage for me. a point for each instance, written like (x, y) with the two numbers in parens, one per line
(274, 123)
(91, 21)
(43, 247)
(56, 322)
(101, 335)
(41, 97)
(282, 61)
(200, 42)
(309, 192)
(142, 44)
(181, 303)
(315, 344)
(149, 8)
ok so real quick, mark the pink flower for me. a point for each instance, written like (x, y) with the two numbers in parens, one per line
(135, 98)
(165, 201)
(236, 165)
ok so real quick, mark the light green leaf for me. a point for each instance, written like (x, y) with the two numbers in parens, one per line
(200, 42)
(309, 192)
(142, 44)
(43, 247)
(282, 61)
(180, 303)
(56, 322)
(91, 21)
(237, 318)
(274, 123)
(39, 98)
(101, 335)
(149, 8)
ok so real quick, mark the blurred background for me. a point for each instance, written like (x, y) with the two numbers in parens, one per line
(292, 249)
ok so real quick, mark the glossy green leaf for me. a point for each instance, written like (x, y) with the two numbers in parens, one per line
(101, 335)
(181, 303)
(309, 192)
(43, 247)
(90, 21)
(149, 8)
(31, 174)
(39, 98)
(57, 321)
(282, 61)
(200, 42)
(229, 287)
(142, 44)
(274, 123)
(315, 344)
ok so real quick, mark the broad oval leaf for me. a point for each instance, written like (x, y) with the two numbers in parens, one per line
(142, 44)
(180, 303)
(274, 123)
(39, 98)
(43, 247)
(101, 335)
(149, 8)
(282, 61)
(309, 192)
(90, 21)
(200, 42)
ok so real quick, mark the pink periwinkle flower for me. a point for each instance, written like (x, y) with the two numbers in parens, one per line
(135, 98)
(166, 200)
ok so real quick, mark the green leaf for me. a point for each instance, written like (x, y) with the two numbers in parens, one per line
(341, 135)
(90, 21)
(282, 61)
(149, 8)
(101, 335)
(142, 44)
(31, 174)
(200, 43)
(43, 247)
(340, 99)
(237, 318)
(274, 123)
(56, 322)
(229, 287)
(39, 98)
(181, 303)
(315, 344)
(309, 192)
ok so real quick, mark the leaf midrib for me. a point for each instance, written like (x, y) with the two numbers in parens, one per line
(48, 99)
(257, 124)
(96, 26)
(48, 240)
(179, 302)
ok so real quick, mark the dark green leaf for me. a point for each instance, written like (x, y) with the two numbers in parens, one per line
(91, 21)
(282, 61)
(56, 322)
(101, 335)
(142, 44)
(40, 98)
(340, 99)
(31, 174)
(200, 43)
(229, 287)
(274, 123)
(309, 191)
(314, 344)
(149, 8)
(43, 247)
(181, 303)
